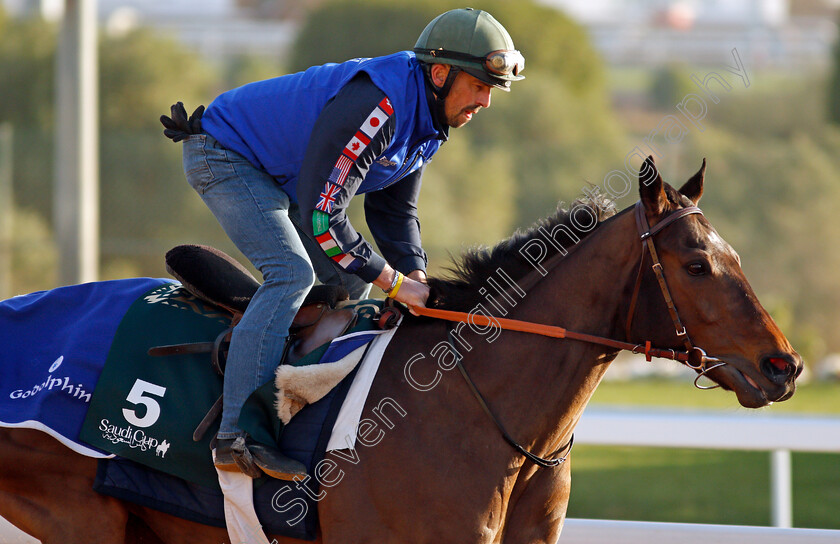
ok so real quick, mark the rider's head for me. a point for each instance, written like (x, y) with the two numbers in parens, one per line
(466, 53)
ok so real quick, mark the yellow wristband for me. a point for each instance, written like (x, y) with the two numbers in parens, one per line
(393, 292)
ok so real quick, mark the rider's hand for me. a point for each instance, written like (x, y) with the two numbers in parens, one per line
(413, 294)
(418, 275)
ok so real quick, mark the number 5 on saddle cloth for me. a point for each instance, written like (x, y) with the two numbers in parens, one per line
(157, 381)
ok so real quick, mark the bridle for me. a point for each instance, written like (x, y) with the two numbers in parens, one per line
(694, 357)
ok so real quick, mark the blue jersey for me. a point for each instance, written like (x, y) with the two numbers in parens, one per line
(336, 130)
(270, 122)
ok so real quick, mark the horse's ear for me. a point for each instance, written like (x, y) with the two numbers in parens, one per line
(652, 189)
(693, 188)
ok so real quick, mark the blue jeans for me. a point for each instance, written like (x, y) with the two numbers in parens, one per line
(258, 217)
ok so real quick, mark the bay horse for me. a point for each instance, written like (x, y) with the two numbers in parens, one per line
(656, 276)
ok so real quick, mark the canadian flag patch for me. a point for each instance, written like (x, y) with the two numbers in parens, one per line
(356, 145)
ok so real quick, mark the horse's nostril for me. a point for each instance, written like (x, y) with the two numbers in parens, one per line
(779, 363)
(778, 369)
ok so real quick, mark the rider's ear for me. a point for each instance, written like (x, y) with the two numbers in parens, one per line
(438, 74)
(693, 188)
(652, 189)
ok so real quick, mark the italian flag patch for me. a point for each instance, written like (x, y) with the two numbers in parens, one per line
(328, 244)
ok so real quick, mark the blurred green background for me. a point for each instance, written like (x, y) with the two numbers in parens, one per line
(773, 151)
(771, 147)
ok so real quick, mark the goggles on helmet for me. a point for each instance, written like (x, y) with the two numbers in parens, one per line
(504, 62)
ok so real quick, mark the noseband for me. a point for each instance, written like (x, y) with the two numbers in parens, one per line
(696, 358)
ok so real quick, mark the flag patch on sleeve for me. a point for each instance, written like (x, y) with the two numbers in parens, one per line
(371, 126)
(321, 225)
(374, 122)
(348, 263)
(357, 144)
(386, 106)
(326, 200)
(340, 170)
(320, 222)
(328, 244)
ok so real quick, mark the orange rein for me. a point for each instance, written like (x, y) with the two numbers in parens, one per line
(549, 330)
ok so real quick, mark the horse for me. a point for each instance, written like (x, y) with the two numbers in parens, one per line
(483, 455)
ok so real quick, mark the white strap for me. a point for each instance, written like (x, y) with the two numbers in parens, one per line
(241, 518)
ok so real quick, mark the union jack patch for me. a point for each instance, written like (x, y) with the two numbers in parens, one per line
(326, 200)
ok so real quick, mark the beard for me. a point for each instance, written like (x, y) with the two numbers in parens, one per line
(463, 116)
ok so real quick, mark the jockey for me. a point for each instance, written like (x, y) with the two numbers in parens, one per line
(278, 161)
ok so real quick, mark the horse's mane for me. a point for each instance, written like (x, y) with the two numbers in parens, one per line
(472, 270)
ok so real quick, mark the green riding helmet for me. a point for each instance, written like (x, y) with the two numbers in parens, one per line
(475, 42)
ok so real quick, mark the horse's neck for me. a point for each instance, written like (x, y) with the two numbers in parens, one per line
(544, 384)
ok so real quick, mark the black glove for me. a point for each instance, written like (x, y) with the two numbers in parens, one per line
(178, 127)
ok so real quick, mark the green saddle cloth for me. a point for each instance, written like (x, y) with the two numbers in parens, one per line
(145, 408)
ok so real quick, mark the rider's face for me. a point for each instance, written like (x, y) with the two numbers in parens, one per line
(466, 96)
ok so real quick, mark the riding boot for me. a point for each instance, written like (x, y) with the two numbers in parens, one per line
(254, 459)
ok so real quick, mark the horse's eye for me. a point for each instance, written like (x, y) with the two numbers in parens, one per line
(696, 269)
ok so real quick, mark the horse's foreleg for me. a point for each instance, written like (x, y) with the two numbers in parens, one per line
(538, 513)
(47, 491)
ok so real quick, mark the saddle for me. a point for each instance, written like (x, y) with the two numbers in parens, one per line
(217, 278)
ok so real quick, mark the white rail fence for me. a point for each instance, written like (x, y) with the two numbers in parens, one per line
(777, 434)
(590, 531)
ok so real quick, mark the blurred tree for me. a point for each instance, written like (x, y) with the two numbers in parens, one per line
(669, 85)
(779, 111)
(243, 69)
(551, 42)
(834, 86)
(34, 255)
(146, 205)
(344, 29)
(558, 143)
(141, 74)
(27, 58)
(466, 203)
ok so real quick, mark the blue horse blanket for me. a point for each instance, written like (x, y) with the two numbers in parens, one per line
(55, 344)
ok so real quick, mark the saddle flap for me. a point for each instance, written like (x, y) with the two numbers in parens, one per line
(329, 325)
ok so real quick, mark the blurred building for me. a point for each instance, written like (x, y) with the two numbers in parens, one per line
(786, 34)
(215, 28)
